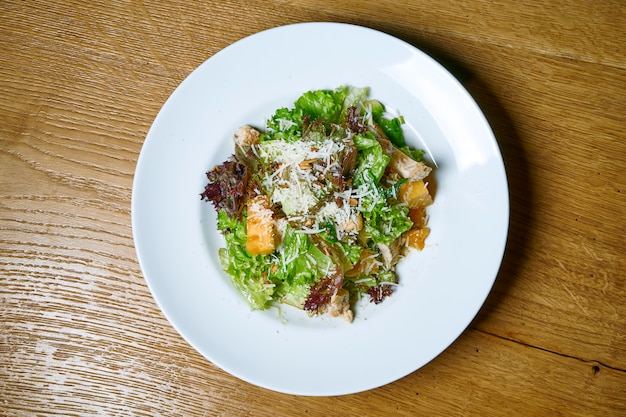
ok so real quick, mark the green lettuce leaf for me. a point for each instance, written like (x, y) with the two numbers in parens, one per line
(371, 161)
(301, 264)
(250, 274)
(325, 104)
(393, 130)
(285, 124)
(353, 97)
(387, 223)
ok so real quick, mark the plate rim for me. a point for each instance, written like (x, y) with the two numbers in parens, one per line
(136, 228)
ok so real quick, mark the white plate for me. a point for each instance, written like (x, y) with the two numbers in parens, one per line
(442, 288)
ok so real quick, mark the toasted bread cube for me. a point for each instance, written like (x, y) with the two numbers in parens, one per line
(415, 194)
(415, 238)
(418, 216)
(261, 238)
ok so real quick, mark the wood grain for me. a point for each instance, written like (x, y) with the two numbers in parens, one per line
(81, 83)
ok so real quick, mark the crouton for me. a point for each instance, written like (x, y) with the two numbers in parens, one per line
(415, 238)
(415, 194)
(261, 237)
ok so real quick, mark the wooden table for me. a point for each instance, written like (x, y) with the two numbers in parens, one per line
(81, 83)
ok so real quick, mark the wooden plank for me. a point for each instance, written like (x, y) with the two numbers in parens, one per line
(78, 370)
(558, 28)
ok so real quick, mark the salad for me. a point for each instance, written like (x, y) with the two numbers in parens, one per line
(318, 207)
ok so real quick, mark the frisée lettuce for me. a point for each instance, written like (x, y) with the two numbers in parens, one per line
(318, 206)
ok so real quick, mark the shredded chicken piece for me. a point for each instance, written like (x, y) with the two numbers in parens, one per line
(339, 305)
(391, 253)
(402, 163)
(247, 135)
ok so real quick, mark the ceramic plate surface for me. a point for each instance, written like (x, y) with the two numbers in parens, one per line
(441, 288)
